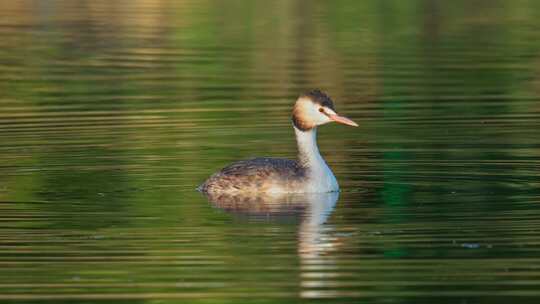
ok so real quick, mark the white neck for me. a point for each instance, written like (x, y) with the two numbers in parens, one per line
(320, 177)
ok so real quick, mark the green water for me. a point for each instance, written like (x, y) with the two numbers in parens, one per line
(112, 112)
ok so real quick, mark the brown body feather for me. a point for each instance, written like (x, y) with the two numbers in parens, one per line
(257, 175)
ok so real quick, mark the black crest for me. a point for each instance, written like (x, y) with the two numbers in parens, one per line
(321, 98)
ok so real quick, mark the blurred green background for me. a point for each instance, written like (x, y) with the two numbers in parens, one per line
(112, 112)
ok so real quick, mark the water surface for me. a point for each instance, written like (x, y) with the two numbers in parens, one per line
(111, 113)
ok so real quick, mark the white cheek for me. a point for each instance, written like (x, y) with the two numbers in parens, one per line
(318, 117)
(324, 118)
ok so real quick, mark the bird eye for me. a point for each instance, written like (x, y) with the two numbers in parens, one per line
(321, 110)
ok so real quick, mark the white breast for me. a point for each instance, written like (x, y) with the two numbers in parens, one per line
(320, 177)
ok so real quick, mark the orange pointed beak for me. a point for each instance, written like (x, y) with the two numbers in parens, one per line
(342, 120)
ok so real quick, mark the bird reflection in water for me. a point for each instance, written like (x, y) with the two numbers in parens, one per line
(316, 240)
(311, 209)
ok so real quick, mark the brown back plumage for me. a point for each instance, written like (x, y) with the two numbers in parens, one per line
(254, 175)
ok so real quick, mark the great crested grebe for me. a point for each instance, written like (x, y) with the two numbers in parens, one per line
(308, 174)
